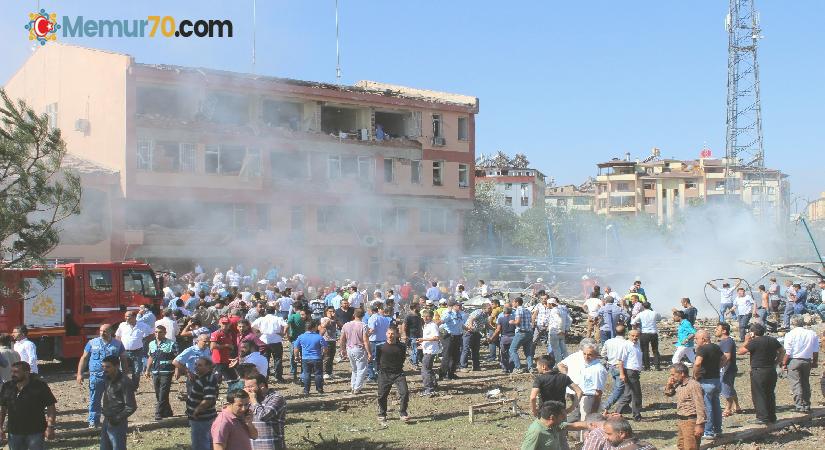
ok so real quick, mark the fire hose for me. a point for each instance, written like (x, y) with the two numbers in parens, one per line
(708, 284)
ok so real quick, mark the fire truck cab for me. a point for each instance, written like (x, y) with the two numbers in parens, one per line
(61, 317)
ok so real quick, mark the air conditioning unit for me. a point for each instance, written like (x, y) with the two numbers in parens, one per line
(364, 134)
(439, 141)
(82, 125)
(369, 241)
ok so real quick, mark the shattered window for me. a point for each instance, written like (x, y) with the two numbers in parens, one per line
(226, 108)
(336, 120)
(144, 154)
(437, 169)
(279, 113)
(415, 172)
(227, 159)
(463, 175)
(463, 129)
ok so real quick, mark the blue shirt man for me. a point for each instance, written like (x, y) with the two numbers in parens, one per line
(312, 345)
(378, 324)
(685, 329)
(189, 356)
(453, 322)
(95, 351)
(146, 316)
(433, 293)
(610, 315)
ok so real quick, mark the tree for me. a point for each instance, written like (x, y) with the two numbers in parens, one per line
(35, 195)
(501, 159)
(520, 161)
(530, 234)
(488, 227)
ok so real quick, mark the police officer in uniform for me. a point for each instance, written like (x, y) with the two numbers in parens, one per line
(96, 350)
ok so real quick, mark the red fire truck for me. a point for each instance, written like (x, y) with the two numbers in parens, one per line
(61, 317)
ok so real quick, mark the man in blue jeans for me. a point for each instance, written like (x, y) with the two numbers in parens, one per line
(95, 352)
(709, 358)
(377, 326)
(523, 338)
(310, 348)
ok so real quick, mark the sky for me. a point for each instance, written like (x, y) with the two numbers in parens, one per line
(568, 83)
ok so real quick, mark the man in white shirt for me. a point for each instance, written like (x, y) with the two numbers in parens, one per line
(170, 324)
(250, 355)
(593, 380)
(745, 308)
(556, 327)
(609, 292)
(574, 366)
(272, 329)
(430, 343)
(483, 289)
(630, 366)
(648, 320)
(801, 353)
(592, 305)
(613, 349)
(24, 347)
(726, 297)
(284, 306)
(133, 335)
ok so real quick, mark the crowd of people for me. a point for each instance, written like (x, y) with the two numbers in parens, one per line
(239, 335)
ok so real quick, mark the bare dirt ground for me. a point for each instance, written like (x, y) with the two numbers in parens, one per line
(344, 421)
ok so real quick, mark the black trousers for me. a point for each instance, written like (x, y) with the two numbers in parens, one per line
(163, 384)
(647, 340)
(385, 382)
(449, 356)
(632, 393)
(763, 393)
(276, 353)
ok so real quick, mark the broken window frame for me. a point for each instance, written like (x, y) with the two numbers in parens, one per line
(291, 119)
(333, 167)
(389, 170)
(438, 126)
(415, 171)
(463, 175)
(144, 155)
(525, 201)
(218, 153)
(366, 167)
(438, 173)
(463, 128)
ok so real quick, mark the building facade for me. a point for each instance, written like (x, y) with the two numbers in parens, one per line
(662, 187)
(519, 188)
(364, 181)
(570, 197)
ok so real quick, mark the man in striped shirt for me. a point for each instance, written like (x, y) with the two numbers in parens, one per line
(200, 404)
(522, 319)
(268, 413)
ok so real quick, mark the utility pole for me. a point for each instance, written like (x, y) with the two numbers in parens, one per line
(744, 152)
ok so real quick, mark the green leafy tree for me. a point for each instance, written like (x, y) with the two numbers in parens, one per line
(530, 234)
(35, 195)
(488, 227)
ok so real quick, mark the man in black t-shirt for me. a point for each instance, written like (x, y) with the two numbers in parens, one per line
(728, 369)
(391, 364)
(766, 353)
(412, 330)
(550, 384)
(344, 314)
(23, 400)
(706, 371)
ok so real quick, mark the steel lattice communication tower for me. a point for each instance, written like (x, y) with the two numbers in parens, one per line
(743, 143)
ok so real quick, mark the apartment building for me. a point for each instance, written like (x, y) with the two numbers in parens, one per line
(661, 187)
(816, 209)
(519, 188)
(570, 197)
(217, 167)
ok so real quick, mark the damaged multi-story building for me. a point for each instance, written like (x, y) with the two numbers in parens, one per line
(216, 167)
(661, 187)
